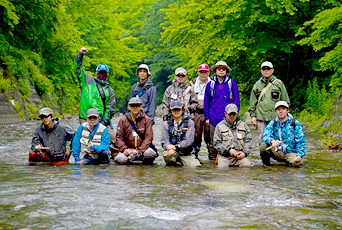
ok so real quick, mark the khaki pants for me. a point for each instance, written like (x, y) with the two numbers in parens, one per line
(266, 155)
(189, 160)
(201, 127)
(261, 125)
(111, 131)
(225, 162)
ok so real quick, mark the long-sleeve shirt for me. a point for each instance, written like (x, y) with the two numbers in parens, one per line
(292, 137)
(216, 99)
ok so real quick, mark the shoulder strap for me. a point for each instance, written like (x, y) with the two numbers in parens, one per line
(293, 123)
(143, 90)
(135, 128)
(212, 86)
(103, 97)
(230, 89)
(266, 88)
(187, 90)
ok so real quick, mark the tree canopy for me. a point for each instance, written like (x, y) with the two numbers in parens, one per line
(39, 41)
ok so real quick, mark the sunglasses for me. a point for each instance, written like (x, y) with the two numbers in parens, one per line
(43, 116)
(221, 68)
(232, 114)
(266, 68)
(92, 117)
(180, 75)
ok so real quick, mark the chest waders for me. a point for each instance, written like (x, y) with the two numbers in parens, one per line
(177, 136)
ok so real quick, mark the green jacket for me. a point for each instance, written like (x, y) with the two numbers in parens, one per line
(264, 109)
(90, 96)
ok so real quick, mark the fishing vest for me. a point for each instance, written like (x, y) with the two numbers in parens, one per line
(175, 137)
(85, 139)
(228, 137)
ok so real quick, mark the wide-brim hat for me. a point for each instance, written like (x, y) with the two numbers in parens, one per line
(143, 66)
(221, 64)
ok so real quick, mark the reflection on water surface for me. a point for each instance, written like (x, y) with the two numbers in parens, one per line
(159, 197)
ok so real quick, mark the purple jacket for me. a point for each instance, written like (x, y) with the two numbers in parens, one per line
(215, 105)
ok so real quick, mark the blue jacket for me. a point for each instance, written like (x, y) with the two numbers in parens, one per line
(293, 137)
(76, 144)
(215, 105)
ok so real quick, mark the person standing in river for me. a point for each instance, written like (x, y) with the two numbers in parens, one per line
(266, 92)
(52, 135)
(232, 140)
(178, 137)
(146, 91)
(91, 141)
(95, 93)
(134, 135)
(198, 85)
(283, 138)
(179, 90)
(219, 92)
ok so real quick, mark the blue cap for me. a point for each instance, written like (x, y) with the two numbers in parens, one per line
(102, 67)
(176, 105)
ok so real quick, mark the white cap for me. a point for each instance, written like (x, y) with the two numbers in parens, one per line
(268, 64)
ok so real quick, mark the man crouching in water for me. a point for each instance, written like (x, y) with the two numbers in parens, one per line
(50, 139)
(91, 140)
(177, 138)
(134, 135)
(232, 140)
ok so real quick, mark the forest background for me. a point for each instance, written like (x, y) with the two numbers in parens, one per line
(302, 38)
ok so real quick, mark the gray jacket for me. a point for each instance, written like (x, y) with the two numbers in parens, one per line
(188, 138)
(148, 99)
(178, 89)
(55, 138)
(222, 148)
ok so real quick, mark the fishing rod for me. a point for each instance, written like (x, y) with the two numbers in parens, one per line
(322, 123)
(26, 147)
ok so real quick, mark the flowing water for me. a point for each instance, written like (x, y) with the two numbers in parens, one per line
(159, 197)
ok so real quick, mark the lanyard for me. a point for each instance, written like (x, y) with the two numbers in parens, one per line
(174, 88)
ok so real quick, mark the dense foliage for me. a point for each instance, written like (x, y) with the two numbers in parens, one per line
(40, 39)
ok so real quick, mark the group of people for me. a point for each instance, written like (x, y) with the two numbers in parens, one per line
(206, 107)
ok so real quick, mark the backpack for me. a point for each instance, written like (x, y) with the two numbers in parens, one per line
(212, 85)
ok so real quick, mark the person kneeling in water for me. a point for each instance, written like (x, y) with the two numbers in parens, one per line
(50, 139)
(134, 135)
(178, 136)
(92, 141)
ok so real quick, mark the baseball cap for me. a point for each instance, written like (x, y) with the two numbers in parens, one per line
(267, 63)
(176, 105)
(135, 101)
(231, 108)
(45, 112)
(203, 67)
(102, 67)
(180, 71)
(92, 113)
(281, 103)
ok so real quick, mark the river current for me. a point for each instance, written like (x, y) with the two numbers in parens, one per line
(166, 197)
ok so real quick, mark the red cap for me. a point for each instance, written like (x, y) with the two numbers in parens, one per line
(203, 67)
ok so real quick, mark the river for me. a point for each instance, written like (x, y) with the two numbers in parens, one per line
(159, 197)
